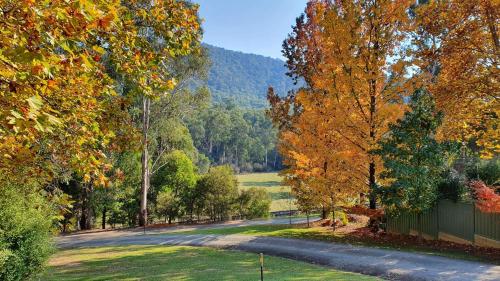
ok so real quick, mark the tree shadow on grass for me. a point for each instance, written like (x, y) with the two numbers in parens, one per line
(183, 263)
(279, 195)
(261, 183)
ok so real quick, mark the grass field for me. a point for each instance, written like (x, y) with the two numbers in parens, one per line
(181, 263)
(271, 182)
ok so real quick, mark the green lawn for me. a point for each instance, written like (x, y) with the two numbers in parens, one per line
(326, 234)
(271, 182)
(181, 263)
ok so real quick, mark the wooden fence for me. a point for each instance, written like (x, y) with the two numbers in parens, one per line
(456, 222)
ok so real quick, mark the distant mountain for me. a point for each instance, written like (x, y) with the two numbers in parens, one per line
(244, 78)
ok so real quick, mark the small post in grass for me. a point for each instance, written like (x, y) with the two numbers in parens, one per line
(261, 259)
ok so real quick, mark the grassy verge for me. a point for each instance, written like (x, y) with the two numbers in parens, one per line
(326, 234)
(180, 263)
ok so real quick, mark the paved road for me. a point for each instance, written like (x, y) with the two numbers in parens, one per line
(393, 265)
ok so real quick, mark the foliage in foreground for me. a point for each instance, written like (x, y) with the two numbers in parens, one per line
(25, 225)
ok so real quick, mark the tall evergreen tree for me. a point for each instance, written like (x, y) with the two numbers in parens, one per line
(413, 159)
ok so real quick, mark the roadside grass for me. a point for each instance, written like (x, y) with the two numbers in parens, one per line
(271, 182)
(181, 263)
(326, 234)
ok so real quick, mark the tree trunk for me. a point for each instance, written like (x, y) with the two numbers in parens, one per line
(372, 183)
(307, 214)
(265, 165)
(236, 156)
(143, 215)
(333, 212)
(86, 218)
(323, 213)
(373, 111)
(492, 26)
(104, 218)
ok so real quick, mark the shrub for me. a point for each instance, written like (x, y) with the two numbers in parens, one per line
(486, 198)
(254, 203)
(340, 215)
(452, 188)
(487, 171)
(25, 224)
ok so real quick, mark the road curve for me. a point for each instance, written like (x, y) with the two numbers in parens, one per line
(388, 264)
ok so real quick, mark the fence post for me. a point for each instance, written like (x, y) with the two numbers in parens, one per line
(437, 224)
(261, 259)
(474, 223)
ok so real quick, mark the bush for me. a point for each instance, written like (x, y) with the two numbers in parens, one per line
(452, 188)
(25, 224)
(487, 171)
(254, 203)
(340, 215)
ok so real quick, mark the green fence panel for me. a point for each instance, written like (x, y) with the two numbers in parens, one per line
(406, 222)
(457, 219)
(487, 225)
(398, 224)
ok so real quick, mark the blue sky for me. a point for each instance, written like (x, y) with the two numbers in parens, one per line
(250, 26)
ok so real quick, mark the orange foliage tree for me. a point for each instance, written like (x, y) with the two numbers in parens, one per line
(57, 106)
(347, 53)
(457, 46)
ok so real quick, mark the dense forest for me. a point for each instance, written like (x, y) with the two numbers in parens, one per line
(243, 138)
(244, 78)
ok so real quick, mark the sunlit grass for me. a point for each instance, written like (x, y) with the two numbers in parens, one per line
(180, 263)
(271, 182)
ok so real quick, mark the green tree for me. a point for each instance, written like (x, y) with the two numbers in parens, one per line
(167, 205)
(219, 188)
(152, 34)
(413, 159)
(177, 177)
(254, 203)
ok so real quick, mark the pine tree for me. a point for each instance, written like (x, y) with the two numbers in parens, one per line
(413, 159)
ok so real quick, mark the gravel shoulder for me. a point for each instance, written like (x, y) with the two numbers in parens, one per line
(394, 265)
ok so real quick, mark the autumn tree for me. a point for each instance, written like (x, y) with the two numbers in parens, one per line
(314, 154)
(58, 115)
(487, 200)
(457, 49)
(349, 56)
(53, 88)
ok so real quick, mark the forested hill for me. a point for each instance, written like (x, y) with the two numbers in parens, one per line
(244, 78)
